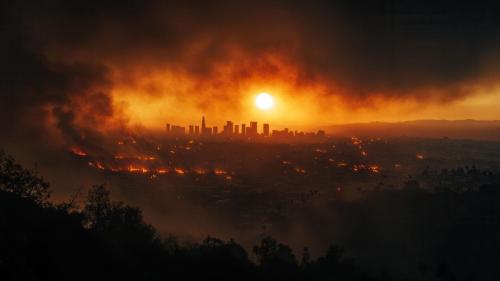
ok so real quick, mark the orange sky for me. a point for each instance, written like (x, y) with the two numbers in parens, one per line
(114, 66)
(152, 99)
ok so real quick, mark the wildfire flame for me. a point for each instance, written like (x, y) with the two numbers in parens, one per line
(78, 152)
(374, 168)
(162, 171)
(179, 171)
(300, 170)
(219, 172)
(134, 169)
(97, 165)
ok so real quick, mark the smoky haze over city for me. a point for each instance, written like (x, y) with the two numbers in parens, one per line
(250, 140)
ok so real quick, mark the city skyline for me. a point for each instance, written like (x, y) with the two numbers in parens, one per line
(231, 129)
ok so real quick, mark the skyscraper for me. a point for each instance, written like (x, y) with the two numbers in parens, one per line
(177, 130)
(167, 128)
(266, 130)
(253, 129)
(228, 129)
(203, 127)
(197, 130)
(191, 129)
(236, 129)
(243, 129)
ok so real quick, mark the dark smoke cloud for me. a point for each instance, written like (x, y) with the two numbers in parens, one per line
(390, 46)
(34, 88)
(59, 52)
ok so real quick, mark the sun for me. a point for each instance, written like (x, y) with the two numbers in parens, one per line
(264, 101)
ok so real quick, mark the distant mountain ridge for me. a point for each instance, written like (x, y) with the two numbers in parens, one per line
(458, 129)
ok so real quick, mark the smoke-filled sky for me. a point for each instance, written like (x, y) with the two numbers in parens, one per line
(80, 73)
(73, 66)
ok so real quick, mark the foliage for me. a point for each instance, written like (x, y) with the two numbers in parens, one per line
(23, 182)
(106, 239)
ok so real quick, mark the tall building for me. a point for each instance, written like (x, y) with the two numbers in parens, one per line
(196, 130)
(228, 129)
(167, 128)
(191, 129)
(177, 130)
(243, 129)
(203, 127)
(236, 129)
(215, 130)
(266, 130)
(252, 130)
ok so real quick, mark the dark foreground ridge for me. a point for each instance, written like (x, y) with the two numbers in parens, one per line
(106, 240)
(452, 231)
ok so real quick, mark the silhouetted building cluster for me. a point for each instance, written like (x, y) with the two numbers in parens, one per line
(230, 129)
(176, 130)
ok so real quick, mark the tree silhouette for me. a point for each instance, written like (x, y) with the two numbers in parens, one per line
(306, 257)
(276, 260)
(105, 239)
(23, 182)
(106, 217)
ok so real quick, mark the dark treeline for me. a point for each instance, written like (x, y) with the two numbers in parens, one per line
(442, 233)
(105, 240)
(419, 232)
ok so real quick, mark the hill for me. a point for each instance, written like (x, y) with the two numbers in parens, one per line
(458, 129)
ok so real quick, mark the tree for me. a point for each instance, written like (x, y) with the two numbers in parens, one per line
(306, 257)
(105, 217)
(97, 208)
(270, 253)
(23, 182)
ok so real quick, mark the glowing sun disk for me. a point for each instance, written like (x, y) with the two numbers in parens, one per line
(264, 101)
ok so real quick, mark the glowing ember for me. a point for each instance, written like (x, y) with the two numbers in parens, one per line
(134, 169)
(199, 171)
(179, 171)
(97, 165)
(374, 169)
(220, 172)
(300, 170)
(147, 158)
(78, 152)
